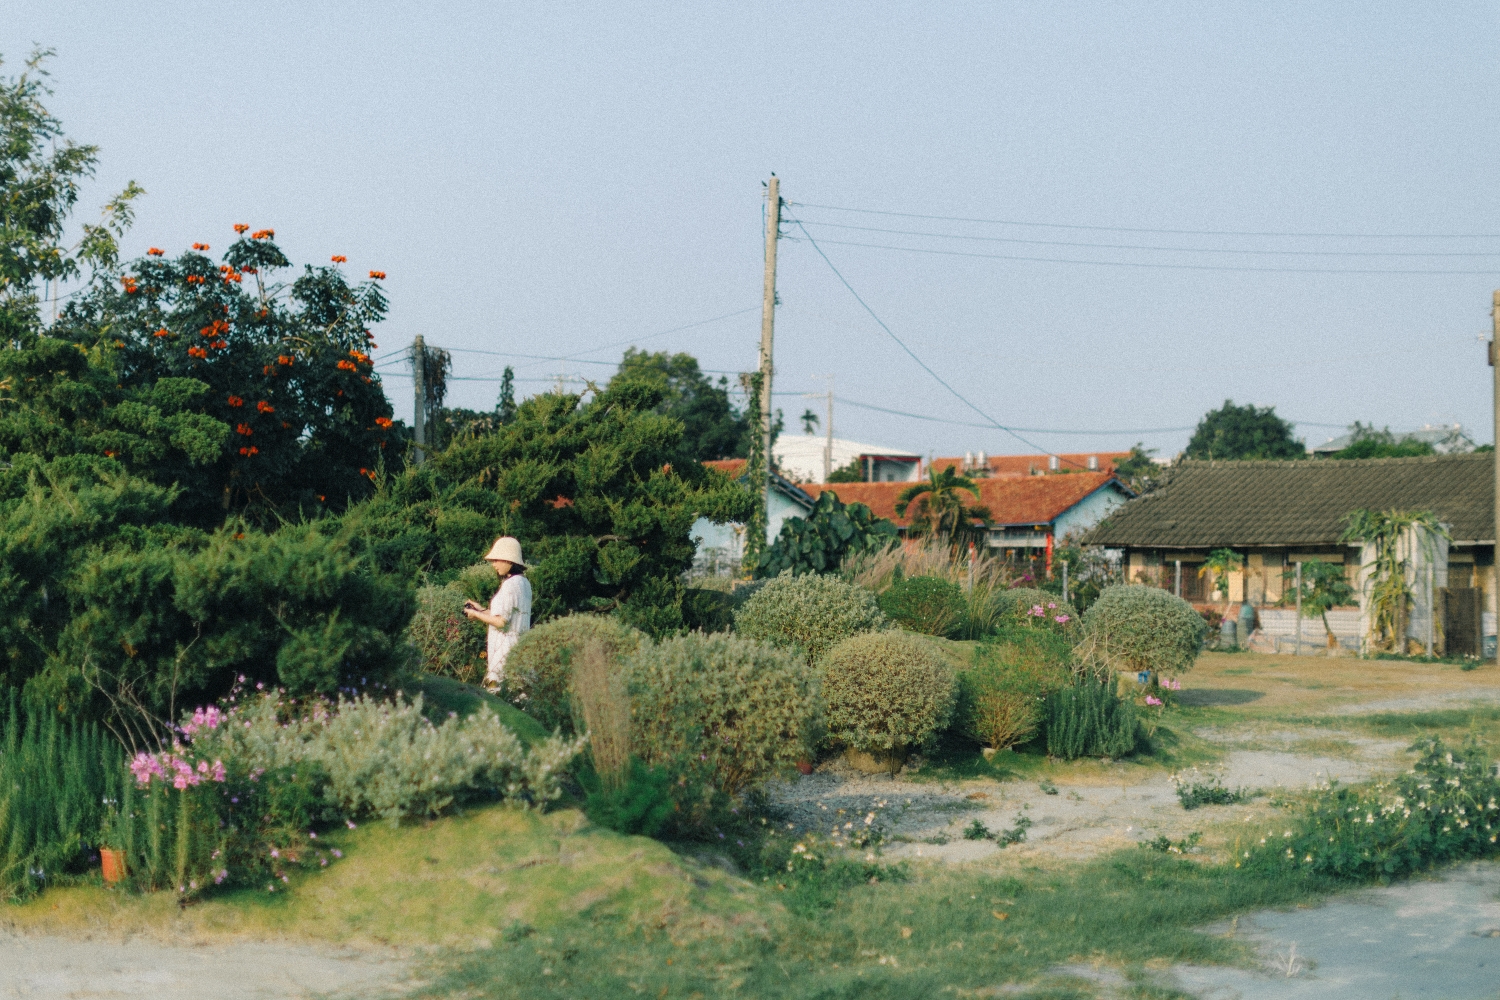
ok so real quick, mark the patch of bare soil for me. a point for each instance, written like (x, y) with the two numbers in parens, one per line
(55, 967)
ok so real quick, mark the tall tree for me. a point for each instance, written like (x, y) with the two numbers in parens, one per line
(1244, 432)
(1138, 471)
(938, 506)
(505, 406)
(712, 427)
(1367, 442)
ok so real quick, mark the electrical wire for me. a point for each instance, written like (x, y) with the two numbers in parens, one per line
(1170, 232)
(912, 354)
(1143, 264)
(1138, 246)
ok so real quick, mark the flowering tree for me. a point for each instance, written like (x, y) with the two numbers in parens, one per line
(254, 397)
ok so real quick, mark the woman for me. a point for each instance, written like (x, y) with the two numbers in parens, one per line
(510, 609)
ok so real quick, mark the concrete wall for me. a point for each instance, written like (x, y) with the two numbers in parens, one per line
(1087, 512)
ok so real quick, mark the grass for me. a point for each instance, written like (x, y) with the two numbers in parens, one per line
(441, 695)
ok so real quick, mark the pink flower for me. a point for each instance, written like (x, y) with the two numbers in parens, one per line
(218, 773)
(1061, 619)
(349, 823)
(1151, 700)
(1051, 606)
(1036, 609)
(336, 853)
(275, 853)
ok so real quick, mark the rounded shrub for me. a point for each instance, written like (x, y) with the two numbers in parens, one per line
(811, 613)
(448, 643)
(886, 692)
(538, 672)
(746, 708)
(1134, 628)
(926, 604)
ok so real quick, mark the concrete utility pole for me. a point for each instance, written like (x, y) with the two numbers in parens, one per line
(1299, 609)
(419, 417)
(1494, 563)
(767, 330)
(828, 441)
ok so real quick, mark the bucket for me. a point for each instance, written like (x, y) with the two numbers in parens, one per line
(113, 864)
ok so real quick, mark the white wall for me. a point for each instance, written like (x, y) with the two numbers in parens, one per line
(1087, 512)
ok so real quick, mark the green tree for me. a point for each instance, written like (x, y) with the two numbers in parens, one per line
(1243, 432)
(505, 406)
(711, 426)
(819, 542)
(1220, 563)
(1390, 533)
(1324, 587)
(1367, 442)
(591, 488)
(851, 473)
(810, 421)
(938, 506)
(1137, 470)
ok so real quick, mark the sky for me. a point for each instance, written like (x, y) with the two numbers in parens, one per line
(560, 181)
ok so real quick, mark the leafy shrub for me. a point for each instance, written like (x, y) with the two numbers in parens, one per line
(1444, 809)
(886, 692)
(707, 610)
(55, 777)
(1089, 719)
(745, 708)
(1035, 608)
(1205, 790)
(1135, 628)
(643, 805)
(450, 644)
(810, 613)
(1001, 698)
(925, 604)
(819, 542)
(538, 671)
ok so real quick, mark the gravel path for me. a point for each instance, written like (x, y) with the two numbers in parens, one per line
(52, 967)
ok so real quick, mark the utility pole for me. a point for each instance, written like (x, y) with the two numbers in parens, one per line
(1494, 563)
(828, 443)
(767, 332)
(1299, 609)
(419, 417)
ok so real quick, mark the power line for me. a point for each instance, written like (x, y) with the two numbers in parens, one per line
(1142, 264)
(662, 333)
(912, 354)
(1171, 232)
(1138, 246)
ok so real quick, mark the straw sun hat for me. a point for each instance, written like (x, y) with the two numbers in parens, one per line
(506, 549)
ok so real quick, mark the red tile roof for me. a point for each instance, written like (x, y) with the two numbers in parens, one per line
(1011, 500)
(731, 467)
(1026, 465)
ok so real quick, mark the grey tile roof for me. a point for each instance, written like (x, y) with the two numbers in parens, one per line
(1301, 502)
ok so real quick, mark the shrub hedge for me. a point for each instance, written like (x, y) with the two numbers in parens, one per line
(810, 613)
(926, 604)
(886, 692)
(1134, 628)
(538, 671)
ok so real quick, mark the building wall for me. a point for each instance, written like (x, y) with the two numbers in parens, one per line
(1088, 512)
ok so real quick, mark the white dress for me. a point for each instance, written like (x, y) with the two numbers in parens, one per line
(513, 603)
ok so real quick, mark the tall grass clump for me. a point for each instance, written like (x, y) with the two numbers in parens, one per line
(55, 779)
(926, 604)
(1089, 719)
(1002, 696)
(602, 702)
(810, 613)
(539, 670)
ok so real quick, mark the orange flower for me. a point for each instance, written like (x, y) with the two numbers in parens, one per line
(286, 426)
(339, 258)
(265, 369)
(263, 234)
(265, 407)
(219, 345)
(560, 502)
(384, 423)
(378, 275)
(236, 401)
(285, 359)
(108, 453)
(320, 497)
(239, 536)
(252, 450)
(248, 270)
(348, 366)
(156, 252)
(240, 227)
(244, 429)
(200, 246)
(363, 359)
(163, 332)
(197, 352)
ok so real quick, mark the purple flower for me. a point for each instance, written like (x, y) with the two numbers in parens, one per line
(336, 853)
(349, 823)
(1061, 619)
(1152, 700)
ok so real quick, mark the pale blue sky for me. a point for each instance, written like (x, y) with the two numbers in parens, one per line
(547, 178)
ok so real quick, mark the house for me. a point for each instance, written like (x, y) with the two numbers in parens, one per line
(810, 458)
(1276, 514)
(980, 465)
(1028, 515)
(722, 546)
(1445, 439)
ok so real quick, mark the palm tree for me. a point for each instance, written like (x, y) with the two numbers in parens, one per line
(938, 506)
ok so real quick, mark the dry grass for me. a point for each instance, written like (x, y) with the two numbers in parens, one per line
(983, 580)
(604, 704)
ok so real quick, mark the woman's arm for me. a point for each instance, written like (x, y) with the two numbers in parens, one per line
(474, 611)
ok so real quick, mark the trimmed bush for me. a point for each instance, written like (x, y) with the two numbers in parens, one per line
(811, 613)
(926, 604)
(886, 692)
(1134, 628)
(1002, 697)
(450, 644)
(1088, 719)
(745, 707)
(538, 672)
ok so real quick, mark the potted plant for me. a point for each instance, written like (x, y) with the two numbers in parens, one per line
(112, 853)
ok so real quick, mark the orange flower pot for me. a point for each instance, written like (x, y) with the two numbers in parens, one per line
(113, 864)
